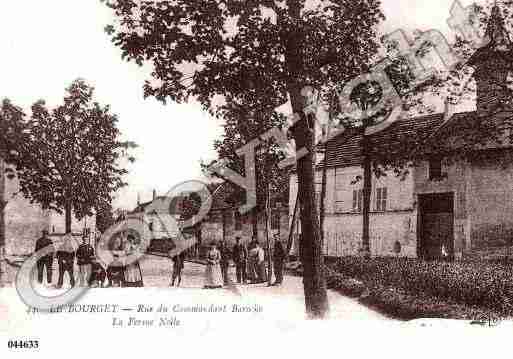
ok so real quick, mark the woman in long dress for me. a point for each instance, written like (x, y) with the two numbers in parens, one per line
(213, 275)
(115, 269)
(253, 262)
(132, 271)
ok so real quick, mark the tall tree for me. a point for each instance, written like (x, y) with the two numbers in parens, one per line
(268, 50)
(70, 158)
(243, 124)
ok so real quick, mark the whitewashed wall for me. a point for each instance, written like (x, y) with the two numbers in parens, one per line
(343, 226)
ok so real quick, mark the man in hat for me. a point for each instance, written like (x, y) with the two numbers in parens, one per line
(85, 255)
(66, 260)
(240, 257)
(278, 260)
(225, 261)
(47, 260)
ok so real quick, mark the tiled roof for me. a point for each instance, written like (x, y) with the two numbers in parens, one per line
(345, 150)
(470, 131)
(174, 207)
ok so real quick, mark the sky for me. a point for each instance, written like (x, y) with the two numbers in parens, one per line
(47, 44)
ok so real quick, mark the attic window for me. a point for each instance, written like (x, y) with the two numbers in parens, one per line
(435, 168)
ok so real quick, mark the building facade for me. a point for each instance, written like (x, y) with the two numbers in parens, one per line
(22, 221)
(225, 222)
(446, 206)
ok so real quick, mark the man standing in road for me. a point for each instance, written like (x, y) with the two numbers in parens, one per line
(66, 259)
(85, 254)
(240, 257)
(224, 262)
(278, 260)
(45, 261)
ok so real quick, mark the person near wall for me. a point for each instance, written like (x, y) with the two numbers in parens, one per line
(278, 260)
(132, 273)
(85, 255)
(240, 257)
(224, 261)
(213, 276)
(45, 261)
(66, 260)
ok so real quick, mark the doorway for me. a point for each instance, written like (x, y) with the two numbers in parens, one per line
(436, 226)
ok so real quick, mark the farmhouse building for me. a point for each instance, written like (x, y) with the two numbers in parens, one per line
(445, 205)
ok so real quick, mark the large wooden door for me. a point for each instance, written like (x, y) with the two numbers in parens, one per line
(436, 226)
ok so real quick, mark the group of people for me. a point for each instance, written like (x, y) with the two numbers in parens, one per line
(90, 271)
(250, 263)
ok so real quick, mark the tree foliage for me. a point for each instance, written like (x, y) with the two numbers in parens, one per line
(70, 158)
(242, 125)
(104, 216)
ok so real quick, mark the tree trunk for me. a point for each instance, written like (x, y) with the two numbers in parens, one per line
(223, 215)
(67, 211)
(2, 220)
(316, 299)
(367, 190)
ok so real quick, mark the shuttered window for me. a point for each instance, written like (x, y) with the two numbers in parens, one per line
(381, 199)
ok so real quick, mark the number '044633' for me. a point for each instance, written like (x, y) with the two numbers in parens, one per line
(23, 344)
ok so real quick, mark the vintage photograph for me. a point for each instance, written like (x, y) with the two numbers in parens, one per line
(167, 163)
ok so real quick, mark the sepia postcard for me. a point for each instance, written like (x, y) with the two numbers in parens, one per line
(249, 178)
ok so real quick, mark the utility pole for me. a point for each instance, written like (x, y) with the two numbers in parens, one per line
(292, 226)
(326, 135)
(267, 227)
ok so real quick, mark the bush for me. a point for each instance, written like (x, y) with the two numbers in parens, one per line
(474, 284)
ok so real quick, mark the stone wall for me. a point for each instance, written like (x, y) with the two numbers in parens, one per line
(343, 234)
(483, 201)
(491, 204)
(58, 224)
(24, 221)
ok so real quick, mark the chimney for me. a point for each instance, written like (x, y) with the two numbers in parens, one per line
(154, 195)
